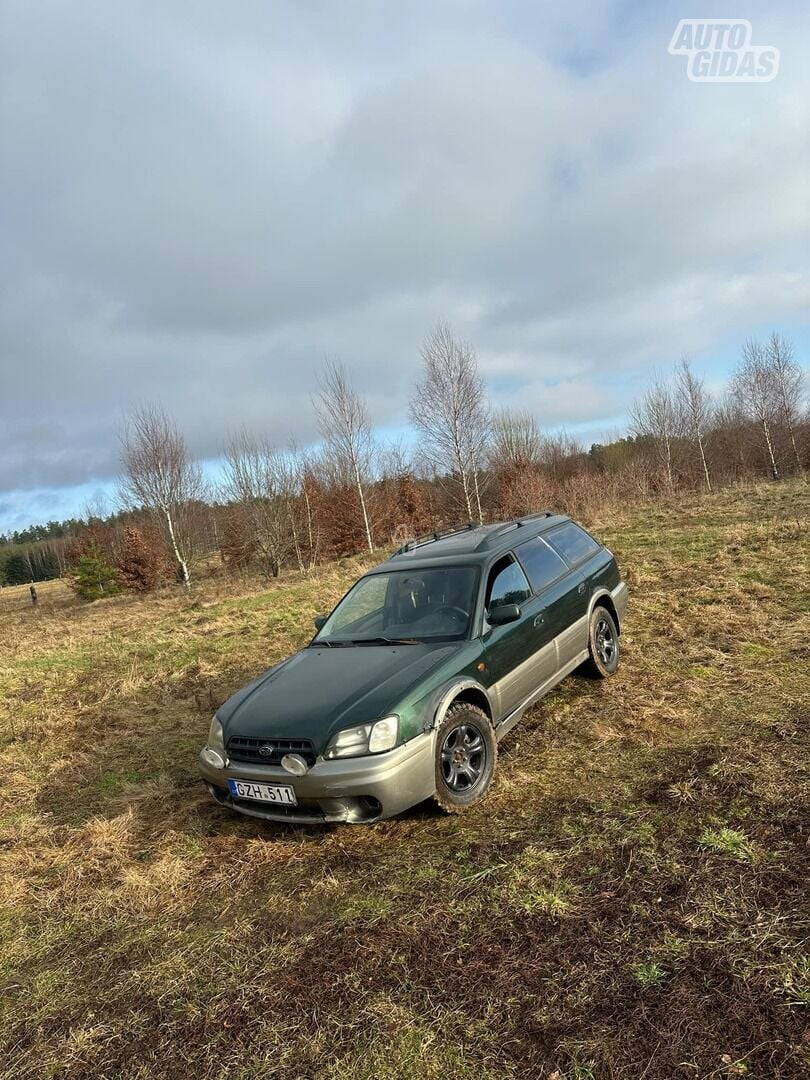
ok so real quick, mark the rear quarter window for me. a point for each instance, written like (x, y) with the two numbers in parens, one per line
(573, 543)
(541, 563)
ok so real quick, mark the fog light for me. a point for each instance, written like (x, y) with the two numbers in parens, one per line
(213, 758)
(295, 764)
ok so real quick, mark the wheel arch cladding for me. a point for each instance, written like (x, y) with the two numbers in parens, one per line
(470, 695)
(605, 600)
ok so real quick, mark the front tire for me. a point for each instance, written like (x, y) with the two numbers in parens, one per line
(465, 757)
(603, 644)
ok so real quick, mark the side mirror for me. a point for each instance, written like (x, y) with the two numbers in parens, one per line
(503, 613)
(320, 620)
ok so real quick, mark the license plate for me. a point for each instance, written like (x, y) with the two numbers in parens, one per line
(273, 793)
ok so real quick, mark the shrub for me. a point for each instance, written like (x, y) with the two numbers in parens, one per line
(92, 576)
(140, 564)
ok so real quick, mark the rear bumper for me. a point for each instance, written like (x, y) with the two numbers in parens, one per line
(620, 596)
(361, 789)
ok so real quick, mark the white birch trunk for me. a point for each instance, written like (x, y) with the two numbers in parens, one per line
(180, 560)
(705, 466)
(369, 539)
(774, 469)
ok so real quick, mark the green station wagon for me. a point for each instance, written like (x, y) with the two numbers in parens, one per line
(421, 669)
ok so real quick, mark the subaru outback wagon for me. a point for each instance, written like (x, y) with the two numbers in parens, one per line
(421, 669)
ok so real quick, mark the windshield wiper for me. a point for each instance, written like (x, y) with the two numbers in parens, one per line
(385, 641)
(326, 643)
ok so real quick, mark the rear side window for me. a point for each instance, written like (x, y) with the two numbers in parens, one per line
(507, 585)
(541, 563)
(573, 543)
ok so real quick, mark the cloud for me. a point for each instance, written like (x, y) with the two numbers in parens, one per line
(198, 211)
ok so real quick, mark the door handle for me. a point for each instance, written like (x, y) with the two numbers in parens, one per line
(581, 587)
(538, 619)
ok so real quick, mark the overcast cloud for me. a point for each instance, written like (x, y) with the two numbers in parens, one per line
(202, 201)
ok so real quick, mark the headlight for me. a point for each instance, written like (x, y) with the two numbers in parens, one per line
(214, 752)
(383, 735)
(216, 736)
(365, 739)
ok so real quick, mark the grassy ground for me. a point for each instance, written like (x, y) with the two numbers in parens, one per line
(630, 901)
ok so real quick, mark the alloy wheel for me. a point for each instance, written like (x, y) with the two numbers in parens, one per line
(605, 642)
(463, 757)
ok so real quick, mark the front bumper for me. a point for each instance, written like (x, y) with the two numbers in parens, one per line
(361, 789)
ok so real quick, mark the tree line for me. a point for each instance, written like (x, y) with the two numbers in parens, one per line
(289, 507)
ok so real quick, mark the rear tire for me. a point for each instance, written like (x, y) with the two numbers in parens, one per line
(603, 644)
(466, 754)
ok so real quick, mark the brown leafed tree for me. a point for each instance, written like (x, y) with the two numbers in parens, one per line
(160, 476)
(448, 408)
(521, 485)
(141, 564)
(412, 504)
(522, 489)
(237, 546)
(562, 454)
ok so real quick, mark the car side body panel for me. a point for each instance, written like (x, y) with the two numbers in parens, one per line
(512, 658)
(566, 605)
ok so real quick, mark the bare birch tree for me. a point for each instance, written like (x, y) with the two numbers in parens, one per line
(305, 472)
(343, 423)
(516, 440)
(754, 388)
(695, 407)
(254, 479)
(787, 380)
(656, 416)
(160, 476)
(449, 410)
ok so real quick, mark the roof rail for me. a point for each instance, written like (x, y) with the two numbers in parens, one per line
(432, 537)
(509, 526)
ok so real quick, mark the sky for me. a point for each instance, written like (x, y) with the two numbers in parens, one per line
(201, 202)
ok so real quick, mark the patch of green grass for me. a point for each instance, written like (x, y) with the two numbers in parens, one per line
(704, 671)
(649, 973)
(727, 841)
(111, 783)
(409, 1046)
(753, 648)
(796, 980)
(553, 901)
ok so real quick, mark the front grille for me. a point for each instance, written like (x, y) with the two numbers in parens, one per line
(242, 749)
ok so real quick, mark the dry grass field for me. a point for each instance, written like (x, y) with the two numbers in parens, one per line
(631, 901)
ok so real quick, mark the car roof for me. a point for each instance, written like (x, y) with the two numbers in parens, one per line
(471, 544)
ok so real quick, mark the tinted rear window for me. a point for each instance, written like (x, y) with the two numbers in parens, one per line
(542, 564)
(573, 543)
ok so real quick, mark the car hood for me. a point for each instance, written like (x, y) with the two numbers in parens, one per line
(318, 691)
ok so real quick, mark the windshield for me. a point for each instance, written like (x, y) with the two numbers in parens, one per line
(404, 606)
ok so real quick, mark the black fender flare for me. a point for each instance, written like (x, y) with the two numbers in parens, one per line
(444, 696)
